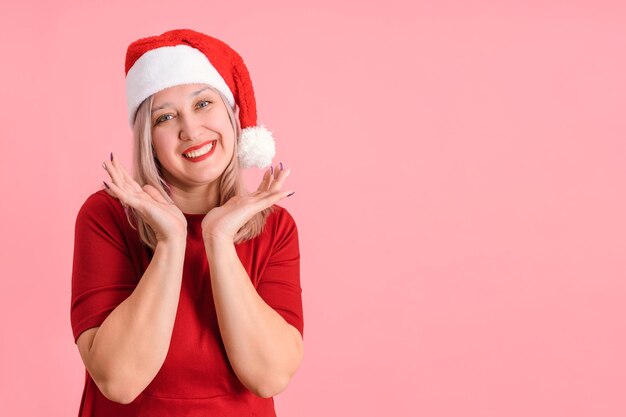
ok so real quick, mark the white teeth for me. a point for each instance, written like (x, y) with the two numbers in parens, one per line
(202, 151)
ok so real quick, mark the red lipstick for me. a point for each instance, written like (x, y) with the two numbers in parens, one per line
(202, 157)
(195, 148)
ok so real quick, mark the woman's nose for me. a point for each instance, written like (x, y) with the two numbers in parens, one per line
(190, 127)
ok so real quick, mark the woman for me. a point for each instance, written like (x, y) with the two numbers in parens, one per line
(186, 297)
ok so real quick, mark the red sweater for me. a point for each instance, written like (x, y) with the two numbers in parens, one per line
(196, 378)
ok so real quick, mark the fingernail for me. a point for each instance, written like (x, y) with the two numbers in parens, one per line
(290, 194)
(272, 170)
(104, 166)
(105, 184)
(281, 166)
(111, 156)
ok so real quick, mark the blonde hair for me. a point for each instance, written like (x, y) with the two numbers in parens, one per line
(147, 170)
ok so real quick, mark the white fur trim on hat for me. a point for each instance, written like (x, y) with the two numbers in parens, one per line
(256, 147)
(168, 66)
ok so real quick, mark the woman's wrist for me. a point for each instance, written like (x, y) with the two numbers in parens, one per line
(214, 240)
(179, 241)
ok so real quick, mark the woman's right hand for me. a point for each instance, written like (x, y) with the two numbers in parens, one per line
(165, 219)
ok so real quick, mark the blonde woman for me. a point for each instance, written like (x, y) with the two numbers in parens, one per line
(186, 296)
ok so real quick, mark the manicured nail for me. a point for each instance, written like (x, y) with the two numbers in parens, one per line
(111, 156)
(272, 170)
(290, 194)
(281, 166)
(104, 166)
(105, 184)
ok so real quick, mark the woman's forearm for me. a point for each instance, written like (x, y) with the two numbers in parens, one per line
(263, 349)
(130, 346)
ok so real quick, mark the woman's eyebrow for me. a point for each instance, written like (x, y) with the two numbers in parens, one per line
(195, 93)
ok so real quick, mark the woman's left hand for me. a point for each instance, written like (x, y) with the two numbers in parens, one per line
(223, 222)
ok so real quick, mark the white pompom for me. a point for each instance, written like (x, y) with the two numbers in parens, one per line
(256, 147)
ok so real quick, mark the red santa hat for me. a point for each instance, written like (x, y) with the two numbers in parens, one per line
(184, 56)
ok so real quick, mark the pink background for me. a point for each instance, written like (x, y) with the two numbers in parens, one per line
(459, 170)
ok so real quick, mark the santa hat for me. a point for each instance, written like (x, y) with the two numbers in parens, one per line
(184, 56)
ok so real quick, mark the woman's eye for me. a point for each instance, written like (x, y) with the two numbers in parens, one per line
(204, 101)
(161, 119)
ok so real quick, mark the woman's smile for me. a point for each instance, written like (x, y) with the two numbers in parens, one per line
(200, 152)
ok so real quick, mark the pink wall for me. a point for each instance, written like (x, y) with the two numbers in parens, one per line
(459, 170)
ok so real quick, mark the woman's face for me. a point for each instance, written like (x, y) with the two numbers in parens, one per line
(187, 121)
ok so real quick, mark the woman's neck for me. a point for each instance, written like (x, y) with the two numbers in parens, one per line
(197, 200)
